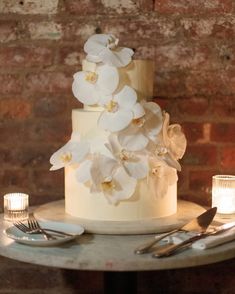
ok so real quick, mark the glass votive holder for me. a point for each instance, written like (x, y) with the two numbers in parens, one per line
(16, 206)
(223, 193)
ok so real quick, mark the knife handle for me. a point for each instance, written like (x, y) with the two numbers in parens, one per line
(164, 252)
(144, 248)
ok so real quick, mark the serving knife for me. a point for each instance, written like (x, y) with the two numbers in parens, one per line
(171, 249)
(198, 225)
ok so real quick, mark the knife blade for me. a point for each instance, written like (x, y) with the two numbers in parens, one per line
(198, 224)
(171, 249)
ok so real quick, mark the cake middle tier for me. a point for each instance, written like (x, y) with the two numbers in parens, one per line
(80, 202)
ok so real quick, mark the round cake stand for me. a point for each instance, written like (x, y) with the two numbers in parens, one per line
(55, 211)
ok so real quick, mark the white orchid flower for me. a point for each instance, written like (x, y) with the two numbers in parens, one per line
(73, 152)
(171, 143)
(106, 176)
(143, 129)
(90, 86)
(162, 175)
(120, 110)
(104, 48)
(135, 163)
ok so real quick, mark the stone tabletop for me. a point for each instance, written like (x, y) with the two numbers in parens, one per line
(108, 253)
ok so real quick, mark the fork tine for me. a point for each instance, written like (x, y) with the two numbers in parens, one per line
(33, 224)
(22, 227)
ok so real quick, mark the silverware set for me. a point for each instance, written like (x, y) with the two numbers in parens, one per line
(197, 226)
(33, 227)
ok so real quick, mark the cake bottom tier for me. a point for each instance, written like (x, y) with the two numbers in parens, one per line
(144, 204)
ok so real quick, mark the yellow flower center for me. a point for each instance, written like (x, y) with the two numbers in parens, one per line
(154, 170)
(91, 77)
(108, 185)
(66, 157)
(112, 43)
(161, 150)
(139, 122)
(111, 106)
(124, 155)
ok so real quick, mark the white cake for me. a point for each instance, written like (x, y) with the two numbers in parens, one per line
(122, 160)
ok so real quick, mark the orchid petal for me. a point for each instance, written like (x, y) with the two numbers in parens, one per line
(138, 110)
(96, 43)
(116, 121)
(83, 174)
(84, 91)
(126, 98)
(108, 79)
(137, 170)
(117, 58)
(132, 139)
(125, 186)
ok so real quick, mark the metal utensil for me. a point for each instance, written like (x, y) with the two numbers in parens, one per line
(199, 225)
(22, 227)
(164, 252)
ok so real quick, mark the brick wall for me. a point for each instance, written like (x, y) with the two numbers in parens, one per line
(41, 46)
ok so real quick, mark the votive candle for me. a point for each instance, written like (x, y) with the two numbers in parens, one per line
(16, 206)
(223, 193)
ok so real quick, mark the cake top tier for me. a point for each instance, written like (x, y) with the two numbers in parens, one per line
(107, 69)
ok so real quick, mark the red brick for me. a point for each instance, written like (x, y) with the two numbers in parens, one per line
(50, 130)
(193, 106)
(194, 132)
(222, 132)
(148, 29)
(49, 106)
(193, 7)
(29, 7)
(165, 104)
(49, 82)
(169, 84)
(71, 56)
(8, 31)
(45, 30)
(49, 181)
(220, 27)
(14, 178)
(25, 56)
(223, 107)
(101, 7)
(201, 181)
(183, 55)
(228, 158)
(10, 84)
(15, 108)
(200, 155)
(210, 83)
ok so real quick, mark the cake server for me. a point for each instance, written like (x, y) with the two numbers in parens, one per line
(171, 249)
(198, 225)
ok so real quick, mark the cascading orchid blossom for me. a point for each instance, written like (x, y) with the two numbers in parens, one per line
(105, 175)
(135, 163)
(104, 48)
(73, 152)
(143, 129)
(95, 82)
(120, 110)
(171, 143)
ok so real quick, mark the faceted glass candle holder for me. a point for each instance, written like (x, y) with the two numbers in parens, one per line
(223, 193)
(16, 206)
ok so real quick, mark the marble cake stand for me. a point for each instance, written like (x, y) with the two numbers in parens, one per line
(54, 211)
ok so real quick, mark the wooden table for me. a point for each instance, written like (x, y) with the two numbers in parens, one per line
(110, 253)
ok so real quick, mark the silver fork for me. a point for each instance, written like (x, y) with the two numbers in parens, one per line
(35, 226)
(22, 227)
